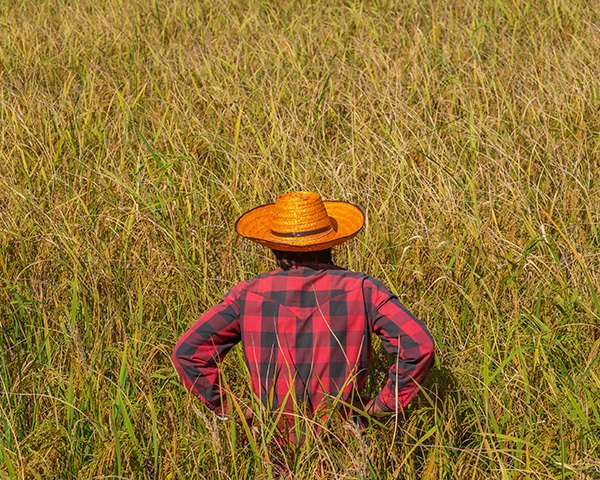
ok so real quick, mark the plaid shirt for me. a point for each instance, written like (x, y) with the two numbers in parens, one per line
(306, 335)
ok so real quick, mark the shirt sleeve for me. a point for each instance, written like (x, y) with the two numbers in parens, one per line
(403, 336)
(197, 354)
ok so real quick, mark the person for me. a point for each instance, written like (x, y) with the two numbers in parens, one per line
(306, 328)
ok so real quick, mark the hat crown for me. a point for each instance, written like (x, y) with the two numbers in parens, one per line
(300, 213)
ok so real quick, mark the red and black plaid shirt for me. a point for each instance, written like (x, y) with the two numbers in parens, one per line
(306, 335)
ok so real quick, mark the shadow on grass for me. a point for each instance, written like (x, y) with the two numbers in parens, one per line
(435, 427)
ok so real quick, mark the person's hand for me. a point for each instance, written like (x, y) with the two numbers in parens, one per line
(368, 405)
(248, 417)
(373, 408)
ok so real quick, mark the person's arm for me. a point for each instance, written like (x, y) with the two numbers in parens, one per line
(407, 339)
(197, 355)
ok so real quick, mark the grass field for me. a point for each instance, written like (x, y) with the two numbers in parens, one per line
(134, 133)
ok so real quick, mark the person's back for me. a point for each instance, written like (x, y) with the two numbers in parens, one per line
(307, 334)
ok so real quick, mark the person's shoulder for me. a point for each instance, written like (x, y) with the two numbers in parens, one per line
(364, 279)
(345, 272)
(368, 281)
(257, 283)
(258, 280)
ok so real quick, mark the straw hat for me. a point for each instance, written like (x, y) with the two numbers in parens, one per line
(301, 222)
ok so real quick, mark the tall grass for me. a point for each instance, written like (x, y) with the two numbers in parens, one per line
(132, 135)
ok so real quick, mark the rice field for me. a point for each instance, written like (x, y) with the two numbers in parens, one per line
(133, 135)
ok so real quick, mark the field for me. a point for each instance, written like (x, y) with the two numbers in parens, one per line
(134, 133)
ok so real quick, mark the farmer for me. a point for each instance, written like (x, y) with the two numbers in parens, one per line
(305, 328)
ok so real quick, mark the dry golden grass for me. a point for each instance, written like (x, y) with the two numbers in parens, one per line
(132, 135)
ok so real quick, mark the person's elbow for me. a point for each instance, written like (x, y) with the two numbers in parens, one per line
(427, 351)
(179, 356)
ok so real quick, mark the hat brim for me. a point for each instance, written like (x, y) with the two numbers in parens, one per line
(347, 221)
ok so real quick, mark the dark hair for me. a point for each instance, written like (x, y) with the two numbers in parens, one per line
(287, 260)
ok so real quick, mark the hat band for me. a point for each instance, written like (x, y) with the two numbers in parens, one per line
(301, 234)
